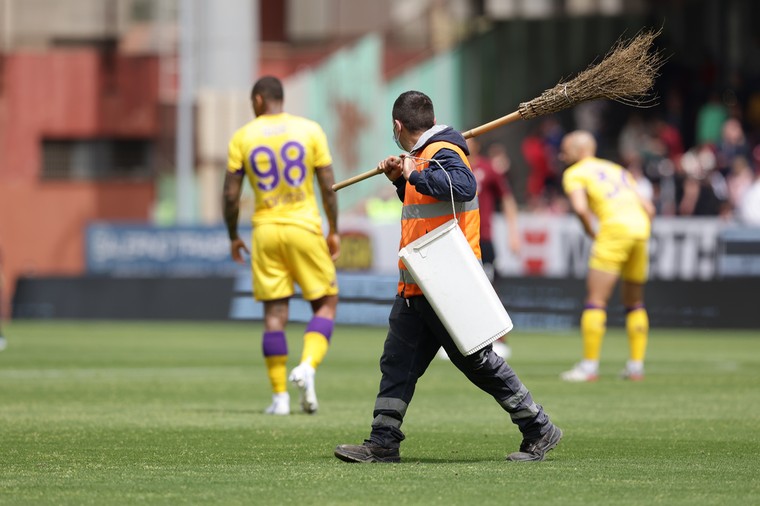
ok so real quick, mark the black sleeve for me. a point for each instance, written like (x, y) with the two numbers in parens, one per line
(400, 185)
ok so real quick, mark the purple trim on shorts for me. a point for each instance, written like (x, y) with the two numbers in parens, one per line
(634, 308)
(592, 306)
(274, 343)
(321, 325)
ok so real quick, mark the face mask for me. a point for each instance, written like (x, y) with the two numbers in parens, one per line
(395, 139)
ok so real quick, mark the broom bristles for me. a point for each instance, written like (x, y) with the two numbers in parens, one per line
(626, 75)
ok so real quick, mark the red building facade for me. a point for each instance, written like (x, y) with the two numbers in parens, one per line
(68, 118)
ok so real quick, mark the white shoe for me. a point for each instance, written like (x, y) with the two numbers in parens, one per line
(303, 377)
(3, 343)
(578, 375)
(502, 349)
(634, 371)
(442, 354)
(280, 404)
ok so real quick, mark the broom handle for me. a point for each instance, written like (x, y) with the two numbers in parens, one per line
(509, 118)
(357, 178)
(491, 125)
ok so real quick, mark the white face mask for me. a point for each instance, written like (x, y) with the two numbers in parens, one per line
(396, 140)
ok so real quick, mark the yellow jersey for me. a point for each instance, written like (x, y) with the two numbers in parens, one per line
(280, 153)
(612, 196)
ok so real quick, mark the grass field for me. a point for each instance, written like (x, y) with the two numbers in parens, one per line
(171, 413)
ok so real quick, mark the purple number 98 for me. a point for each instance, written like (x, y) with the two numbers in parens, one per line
(265, 165)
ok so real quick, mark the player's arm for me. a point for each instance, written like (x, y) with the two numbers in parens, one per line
(326, 178)
(579, 205)
(233, 187)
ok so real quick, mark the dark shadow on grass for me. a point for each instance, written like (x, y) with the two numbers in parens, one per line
(412, 461)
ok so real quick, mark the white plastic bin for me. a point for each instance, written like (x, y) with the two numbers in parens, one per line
(454, 282)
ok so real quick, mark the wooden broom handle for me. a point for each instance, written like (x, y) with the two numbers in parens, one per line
(509, 118)
(357, 178)
(491, 125)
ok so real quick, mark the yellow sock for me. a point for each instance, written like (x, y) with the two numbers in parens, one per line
(637, 325)
(277, 370)
(593, 326)
(314, 348)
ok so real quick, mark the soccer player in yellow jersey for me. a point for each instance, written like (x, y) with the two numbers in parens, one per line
(604, 192)
(281, 154)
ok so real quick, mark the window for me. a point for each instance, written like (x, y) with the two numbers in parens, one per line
(97, 159)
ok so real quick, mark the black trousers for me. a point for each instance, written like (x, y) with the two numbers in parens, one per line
(415, 334)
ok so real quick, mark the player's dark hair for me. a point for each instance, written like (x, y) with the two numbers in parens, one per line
(268, 87)
(414, 110)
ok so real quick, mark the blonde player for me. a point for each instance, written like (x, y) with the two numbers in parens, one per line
(604, 189)
(281, 153)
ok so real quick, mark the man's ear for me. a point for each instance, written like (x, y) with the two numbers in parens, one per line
(258, 102)
(398, 125)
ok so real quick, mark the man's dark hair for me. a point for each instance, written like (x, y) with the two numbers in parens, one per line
(414, 110)
(268, 87)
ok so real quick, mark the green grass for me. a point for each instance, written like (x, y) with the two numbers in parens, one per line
(171, 413)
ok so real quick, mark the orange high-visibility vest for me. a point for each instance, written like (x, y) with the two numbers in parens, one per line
(422, 213)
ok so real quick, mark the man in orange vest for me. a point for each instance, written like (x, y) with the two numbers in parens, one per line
(425, 180)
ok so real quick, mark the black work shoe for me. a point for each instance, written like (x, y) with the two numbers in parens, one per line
(367, 452)
(535, 450)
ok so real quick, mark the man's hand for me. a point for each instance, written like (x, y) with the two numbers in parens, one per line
(237, 247)
(333, 244)
(391, 166)
(407, 167)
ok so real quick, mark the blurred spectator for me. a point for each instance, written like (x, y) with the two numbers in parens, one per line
(499, 158)
(670, 138)
(644, 186)
(733, 144)
(748, 210)
(534, 152)
(739, 180)
(705, 192)
(710, 118)
(674, 112)
(540, 149)
(589, 116)
(632, 139)
(753, 110)
(749, 207)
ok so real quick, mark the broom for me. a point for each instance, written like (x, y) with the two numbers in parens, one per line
(626, 75)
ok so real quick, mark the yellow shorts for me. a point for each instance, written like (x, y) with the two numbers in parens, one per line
(621, 254)
(284, 254)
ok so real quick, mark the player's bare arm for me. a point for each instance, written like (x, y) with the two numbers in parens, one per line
(233, 187)
(579, 205)
(326, 179)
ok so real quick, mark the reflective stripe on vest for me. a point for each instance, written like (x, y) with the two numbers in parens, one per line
(422, 213)
(436, 209)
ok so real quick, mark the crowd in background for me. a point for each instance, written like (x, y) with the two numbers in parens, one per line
(703, 164)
